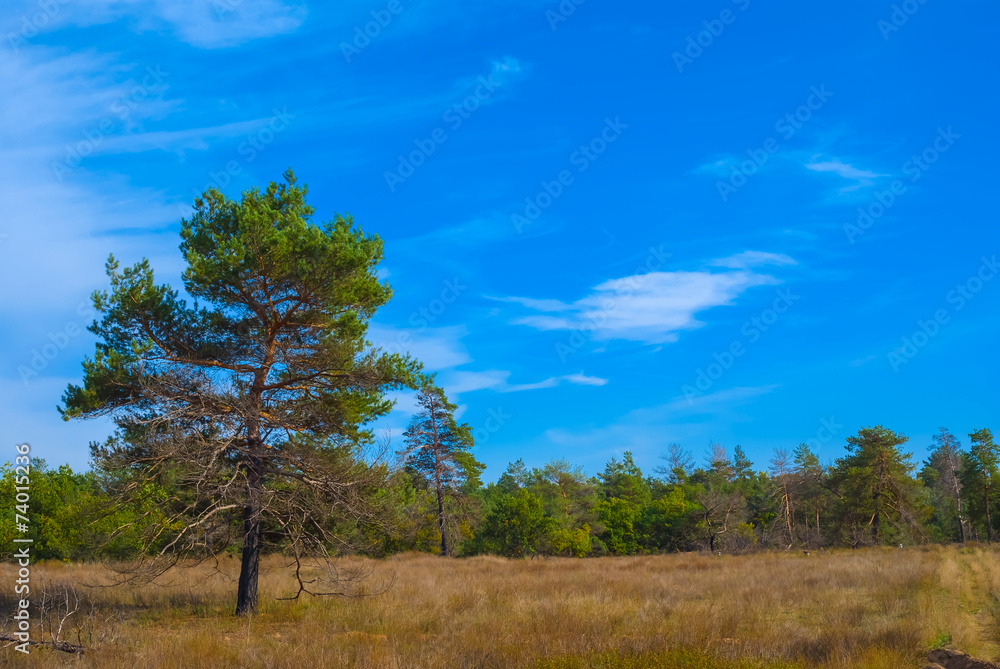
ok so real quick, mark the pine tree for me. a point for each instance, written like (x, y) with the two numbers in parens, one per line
(980, 476)
(254, 400)
(438, 450)
(877, 491)
(941, 475)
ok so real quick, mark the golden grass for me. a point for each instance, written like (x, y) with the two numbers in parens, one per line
(876, 608)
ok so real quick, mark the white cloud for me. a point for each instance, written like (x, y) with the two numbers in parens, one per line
(222, 23)
(457, 382)
(465, 382)
(861, 362)
(748, 259)
(207, 24)
(719, 168)
(713, 402)
(553, 381)
(847, 171)
(442, 351)
(438, 348)
(178, 141)
(651, 308)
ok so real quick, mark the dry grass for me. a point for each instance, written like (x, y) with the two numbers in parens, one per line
(871, 608)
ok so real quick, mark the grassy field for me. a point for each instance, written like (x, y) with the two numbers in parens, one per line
(868, 608)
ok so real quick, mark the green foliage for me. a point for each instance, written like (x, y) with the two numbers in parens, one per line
(624, 480)
(667, 523)
(878, 503)
(943, 491)
(73, 518)
(619, 517)
(438, 454)
(980, 475)
(576, 543)
(514, 525)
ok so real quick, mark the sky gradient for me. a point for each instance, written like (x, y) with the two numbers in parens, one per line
(608, 226)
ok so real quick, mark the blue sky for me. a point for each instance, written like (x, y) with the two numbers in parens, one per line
(609, 226)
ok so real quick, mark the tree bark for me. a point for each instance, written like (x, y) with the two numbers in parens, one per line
(437, 484)
(989, 523)
(444, 536)
(246, 596)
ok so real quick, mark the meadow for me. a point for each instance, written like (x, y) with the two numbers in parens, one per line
(872, 608)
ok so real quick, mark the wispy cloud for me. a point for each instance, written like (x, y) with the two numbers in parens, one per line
(836, 166)
(652, 308)
(748, 259)
(720, 400)
(458, 382)
(178, 141)
(207, 24)
(861, 362)
(438, 348)
(553, 381)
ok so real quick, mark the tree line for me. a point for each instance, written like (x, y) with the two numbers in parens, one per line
(436, 501)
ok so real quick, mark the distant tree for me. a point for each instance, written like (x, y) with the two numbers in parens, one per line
(941, 476)
(679, 463)
(624, 480)
(721, 507)
(253, 401)
(742, 466)
(438, 450)
(513, 526)
(813, 494)
(877, 491)
(719, 465)
(781, 471)
(71, 517)
(980, 475)
(619, 517)
(569, 487)
(514, 477)
(668, 523)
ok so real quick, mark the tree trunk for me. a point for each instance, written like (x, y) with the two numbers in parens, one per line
(953, 466)
(989, 523)
(438, 485)
(788, 513)
(444, 537)
(246, 596)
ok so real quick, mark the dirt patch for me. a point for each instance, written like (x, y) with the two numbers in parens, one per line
(956, 659)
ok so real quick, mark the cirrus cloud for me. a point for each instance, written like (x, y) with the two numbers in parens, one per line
(651, 308)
